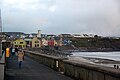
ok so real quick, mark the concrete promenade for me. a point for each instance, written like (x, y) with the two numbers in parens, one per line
(31, 70)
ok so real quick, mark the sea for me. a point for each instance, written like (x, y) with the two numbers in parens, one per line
(103, 55)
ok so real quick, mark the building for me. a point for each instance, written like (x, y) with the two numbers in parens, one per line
(19, 43)
(51, 36)
(66, 35)
(44, 42)
(66, 42)
(15, 34)
(58, 41)
(83, 35)
(28, 41)
(36, 42)
(33, 35)
(51, 43)
(4, 36)
(43, 35)
(77, 36)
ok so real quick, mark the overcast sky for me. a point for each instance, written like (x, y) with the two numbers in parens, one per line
(100, 17)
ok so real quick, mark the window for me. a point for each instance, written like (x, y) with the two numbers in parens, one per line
(37, 45)
(16, 45)
(36, 41)
(21, 42)
(20, 46)
(27, 42)
(15, 42)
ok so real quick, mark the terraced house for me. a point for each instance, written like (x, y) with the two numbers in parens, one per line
(36, 42)
(19, 43)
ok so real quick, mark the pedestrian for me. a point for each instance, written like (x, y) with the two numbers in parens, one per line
(114, 66)
(16, 51)
(13, 51)
(20, 57)
(117, 67)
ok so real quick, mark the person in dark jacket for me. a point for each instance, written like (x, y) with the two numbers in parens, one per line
(16, 51)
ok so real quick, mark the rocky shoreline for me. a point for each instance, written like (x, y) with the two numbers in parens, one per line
(96, 61)
(103, 61)
(68, 53)
(92, 50)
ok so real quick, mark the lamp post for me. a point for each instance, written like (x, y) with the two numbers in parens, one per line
(0, 34)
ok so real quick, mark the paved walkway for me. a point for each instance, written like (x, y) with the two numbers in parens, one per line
(31, 70)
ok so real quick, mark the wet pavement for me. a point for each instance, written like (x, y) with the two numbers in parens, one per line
(31, 70)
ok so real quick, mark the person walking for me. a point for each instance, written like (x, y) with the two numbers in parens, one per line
(13, 51)
(20, 57)
(16, 51)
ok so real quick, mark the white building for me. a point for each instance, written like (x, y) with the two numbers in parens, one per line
(83, 35)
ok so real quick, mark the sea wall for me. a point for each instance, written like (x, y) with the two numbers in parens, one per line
(86, 71)
(74, 69)
(53, 62)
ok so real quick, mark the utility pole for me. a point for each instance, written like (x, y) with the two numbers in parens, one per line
(0, 34)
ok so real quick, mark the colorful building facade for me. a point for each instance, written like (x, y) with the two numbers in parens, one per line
(36, 43)
(19, 43)
(28, 42)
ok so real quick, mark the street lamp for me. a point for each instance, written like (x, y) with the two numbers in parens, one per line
(0, 34)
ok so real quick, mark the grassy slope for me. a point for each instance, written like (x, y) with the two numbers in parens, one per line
(96, 43)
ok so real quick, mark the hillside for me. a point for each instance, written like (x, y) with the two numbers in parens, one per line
(93, 44)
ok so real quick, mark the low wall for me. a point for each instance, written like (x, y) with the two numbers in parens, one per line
(53, 62)
(86, 71)
(76, 70)
(2, 67)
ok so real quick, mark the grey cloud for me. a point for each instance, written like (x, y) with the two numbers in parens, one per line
(71, 16)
